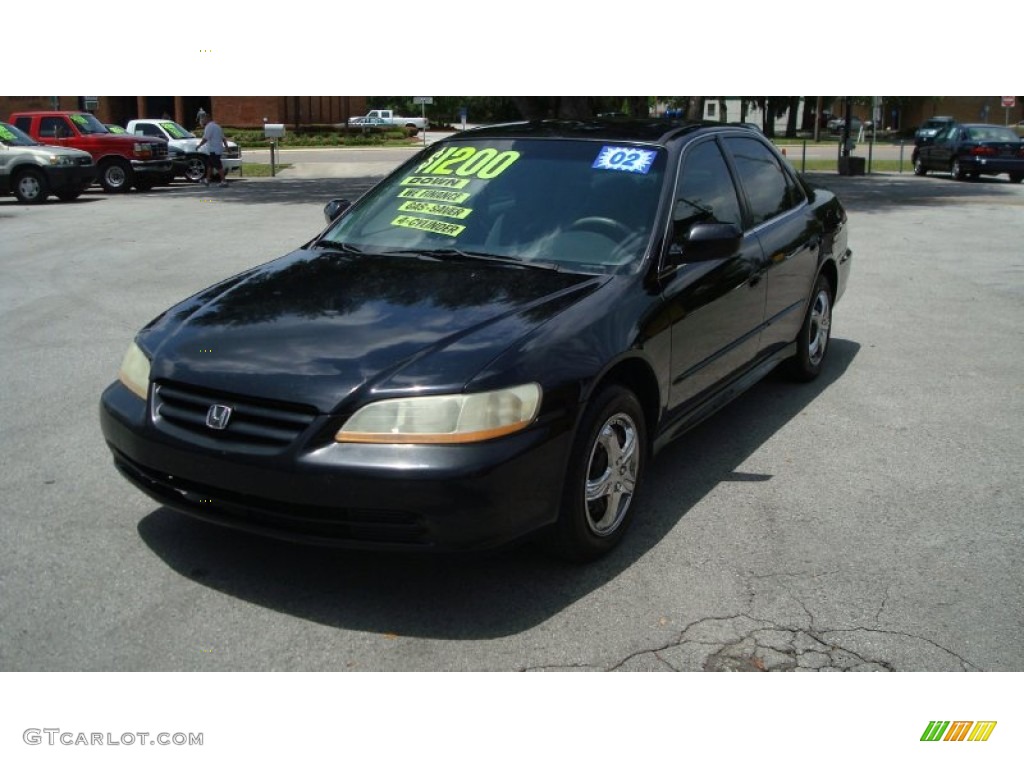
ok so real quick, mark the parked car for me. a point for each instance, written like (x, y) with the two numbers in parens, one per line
(929, 129)
(121, 161)
(389, 117)
(189, 161)
(835, 125)
(33, 171)
(495, 340)
(972, 150)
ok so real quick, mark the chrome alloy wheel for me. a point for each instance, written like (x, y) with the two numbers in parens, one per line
(612, 472)
(821, 321)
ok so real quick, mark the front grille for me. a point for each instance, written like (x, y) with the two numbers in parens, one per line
(297, 522)
(183, 411)
(84, 160)
(159, 150)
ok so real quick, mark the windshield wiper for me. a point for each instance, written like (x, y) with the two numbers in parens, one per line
(337, 245)
(455, 254)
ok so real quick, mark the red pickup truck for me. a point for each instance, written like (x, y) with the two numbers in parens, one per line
(122, 161)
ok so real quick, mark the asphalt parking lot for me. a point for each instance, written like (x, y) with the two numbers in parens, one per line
(868, 521)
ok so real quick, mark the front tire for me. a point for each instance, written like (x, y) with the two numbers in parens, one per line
(919, 169)
(1016, 178)
(115, 176)
(815, 333)
(30, 187)
(605, 471)
(195, 169)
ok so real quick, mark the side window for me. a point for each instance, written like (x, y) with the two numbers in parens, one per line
(706, 192)
(54, 128)
(147, 130)
(762, 178)
(24, 123)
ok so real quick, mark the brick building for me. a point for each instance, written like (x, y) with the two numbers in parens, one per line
(233, 111)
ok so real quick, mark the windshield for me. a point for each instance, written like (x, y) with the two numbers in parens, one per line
(174, 130)
(88, 123)
(585, 205)
(15, 137)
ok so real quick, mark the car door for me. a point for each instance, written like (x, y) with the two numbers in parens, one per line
(715, 307)
(789, 233)
(147, 129)
(56, 130)
(939, 154)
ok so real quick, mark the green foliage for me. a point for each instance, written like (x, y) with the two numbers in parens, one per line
(322, 136)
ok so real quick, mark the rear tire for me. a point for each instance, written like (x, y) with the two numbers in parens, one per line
(956, 170)
(1016, 178)
(605, 472)
(30, 186)
(815, 333)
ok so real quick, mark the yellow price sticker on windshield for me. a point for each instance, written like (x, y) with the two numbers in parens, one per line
(428, 225)
(437, 209)
(440, 195)
(457, 160)
(433, 181)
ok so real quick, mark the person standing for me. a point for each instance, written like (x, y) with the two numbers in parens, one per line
(214, 136)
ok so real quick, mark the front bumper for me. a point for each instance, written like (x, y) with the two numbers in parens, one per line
(153, 166)
(385, 497)
(70, 177)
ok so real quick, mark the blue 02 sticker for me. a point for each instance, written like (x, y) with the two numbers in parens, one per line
(629, 159)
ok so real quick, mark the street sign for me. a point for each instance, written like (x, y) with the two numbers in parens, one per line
(1009, 101)
(422, 99)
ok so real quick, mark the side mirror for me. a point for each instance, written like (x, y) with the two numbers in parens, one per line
(335, 208)
(705, 242)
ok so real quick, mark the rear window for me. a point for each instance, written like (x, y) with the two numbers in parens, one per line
(991, 133)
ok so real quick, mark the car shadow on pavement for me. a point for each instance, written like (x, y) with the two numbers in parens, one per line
(885, 191)
(486, 595)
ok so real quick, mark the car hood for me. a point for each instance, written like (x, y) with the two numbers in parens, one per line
(50, 149)
(325, 328)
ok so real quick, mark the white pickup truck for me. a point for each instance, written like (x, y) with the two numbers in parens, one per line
(189, 161)
(388, 117)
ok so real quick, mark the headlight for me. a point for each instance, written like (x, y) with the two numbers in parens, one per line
(143, 149)
(134, 372)
(444, 418)
(61, 160)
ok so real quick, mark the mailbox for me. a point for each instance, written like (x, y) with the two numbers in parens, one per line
(273, 130)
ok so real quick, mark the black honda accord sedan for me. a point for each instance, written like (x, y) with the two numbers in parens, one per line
(494, 341)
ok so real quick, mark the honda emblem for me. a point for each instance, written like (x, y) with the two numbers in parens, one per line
(218, 416)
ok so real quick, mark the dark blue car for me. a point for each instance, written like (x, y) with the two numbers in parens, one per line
(967, 151)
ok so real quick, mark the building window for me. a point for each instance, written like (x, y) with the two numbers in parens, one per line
(711, 108)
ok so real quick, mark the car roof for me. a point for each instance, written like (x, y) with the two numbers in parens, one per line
(648, 130)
